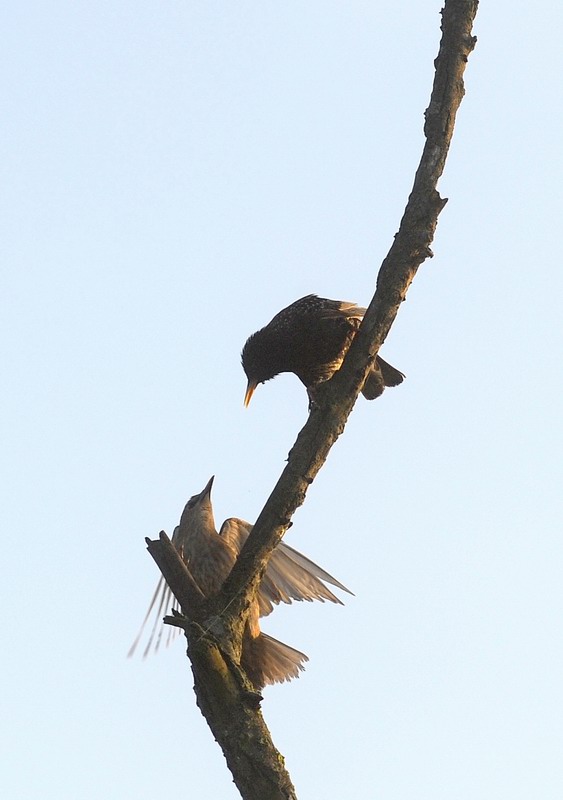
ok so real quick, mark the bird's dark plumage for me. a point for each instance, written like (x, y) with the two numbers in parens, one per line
(310, 338)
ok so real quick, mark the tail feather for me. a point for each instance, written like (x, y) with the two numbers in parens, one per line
(382, 375)
(391, 376)
(267, 660)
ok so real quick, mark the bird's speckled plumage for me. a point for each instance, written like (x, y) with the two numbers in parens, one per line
(310, 338)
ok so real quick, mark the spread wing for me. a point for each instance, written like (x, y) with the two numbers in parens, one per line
(162, 601)
(289, 575)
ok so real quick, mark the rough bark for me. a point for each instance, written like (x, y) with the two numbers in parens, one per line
(214, 627)
(224, 694)
(410, 248)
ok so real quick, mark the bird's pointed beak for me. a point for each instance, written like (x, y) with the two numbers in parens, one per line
(249, 392)
(207, 491)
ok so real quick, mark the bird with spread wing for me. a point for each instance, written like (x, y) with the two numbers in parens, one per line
(210, 556)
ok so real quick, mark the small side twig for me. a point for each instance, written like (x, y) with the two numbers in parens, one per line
(176, 574)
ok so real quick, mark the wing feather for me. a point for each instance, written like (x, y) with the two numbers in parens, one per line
(289, 575)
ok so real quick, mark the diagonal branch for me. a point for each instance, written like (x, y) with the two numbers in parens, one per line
(224, 694)
(410, 248)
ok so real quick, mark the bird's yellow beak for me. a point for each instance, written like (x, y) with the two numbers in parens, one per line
(249, 392)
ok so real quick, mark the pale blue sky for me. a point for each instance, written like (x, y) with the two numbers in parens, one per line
(172, 175)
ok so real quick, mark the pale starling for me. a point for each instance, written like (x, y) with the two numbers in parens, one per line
(310, 338)
(210, 557)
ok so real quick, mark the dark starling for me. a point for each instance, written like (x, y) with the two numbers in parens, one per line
(310, 338)
(210, 557)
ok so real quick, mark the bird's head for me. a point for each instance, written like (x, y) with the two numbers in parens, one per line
(199, 507)
(258, 361)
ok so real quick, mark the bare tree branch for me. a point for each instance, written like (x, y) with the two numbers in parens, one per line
(410, 248)
(214, 627)
(177, 575)
(224, 694)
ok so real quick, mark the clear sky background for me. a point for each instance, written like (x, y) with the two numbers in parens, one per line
(173, 174)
